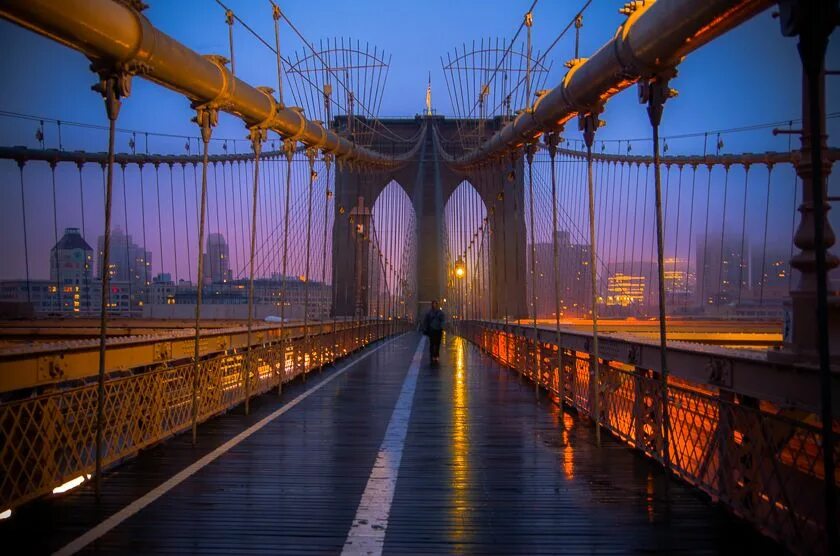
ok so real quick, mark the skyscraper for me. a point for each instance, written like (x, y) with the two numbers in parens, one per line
(574, 279)
(770, 276)
(631, 288)
(723, 270)
(128, 262)
(129, 266)
(217, 260)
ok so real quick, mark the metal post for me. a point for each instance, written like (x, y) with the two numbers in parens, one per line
(814, 22)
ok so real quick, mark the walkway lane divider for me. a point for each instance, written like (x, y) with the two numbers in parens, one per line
(110, 523)
(367, 534)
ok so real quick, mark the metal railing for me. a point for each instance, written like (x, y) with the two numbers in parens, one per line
(763, 466)
(50, 438)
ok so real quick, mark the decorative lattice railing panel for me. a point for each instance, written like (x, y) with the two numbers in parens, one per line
(764, 466)
(49, 439)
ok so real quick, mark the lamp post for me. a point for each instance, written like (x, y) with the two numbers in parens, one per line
(460, 271)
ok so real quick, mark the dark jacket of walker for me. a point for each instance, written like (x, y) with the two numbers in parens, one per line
(434, 321)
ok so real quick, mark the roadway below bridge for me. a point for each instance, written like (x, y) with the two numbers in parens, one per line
(385, 454)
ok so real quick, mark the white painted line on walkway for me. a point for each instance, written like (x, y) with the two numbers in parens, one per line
(367, 534)
(128, 511)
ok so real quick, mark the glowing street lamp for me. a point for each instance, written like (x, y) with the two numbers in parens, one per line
(460, 269)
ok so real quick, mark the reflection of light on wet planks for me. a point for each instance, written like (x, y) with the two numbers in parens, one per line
(460, 440)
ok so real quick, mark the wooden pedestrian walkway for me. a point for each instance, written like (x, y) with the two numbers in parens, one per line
(469, 462)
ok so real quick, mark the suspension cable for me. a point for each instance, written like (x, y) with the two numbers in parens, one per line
(257, 135)
(289, 149)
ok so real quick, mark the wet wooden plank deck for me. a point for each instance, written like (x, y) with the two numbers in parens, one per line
(486, 468)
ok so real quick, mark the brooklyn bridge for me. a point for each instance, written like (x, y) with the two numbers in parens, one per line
(228, 228)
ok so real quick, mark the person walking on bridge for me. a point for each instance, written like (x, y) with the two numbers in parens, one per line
(433, 325)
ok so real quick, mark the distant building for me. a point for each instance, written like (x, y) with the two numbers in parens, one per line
(629, 288)
(575, 287)
(770, 278)
(71, 261)
(723, 271)
(73, 290)
(43, 297)
(217, 260)
(680, 282)
(625, 290)
(230, 300)
(128, 263)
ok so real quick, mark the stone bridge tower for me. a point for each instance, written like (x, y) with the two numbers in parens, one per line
(428, 181)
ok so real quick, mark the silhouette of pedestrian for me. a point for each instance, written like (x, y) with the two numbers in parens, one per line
(433, 325)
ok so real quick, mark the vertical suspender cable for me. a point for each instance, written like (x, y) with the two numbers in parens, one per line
(764, 240)
(55, 261)
(160, 218)
(690, 235)
(505, 252)
(84, 302)
(80, 165)
(530, 150)
(551, 140)
(327, 198)
(589, 124)
(128, 266)
(743, 233)
(143, 223)
(289, 149)
(311, 153)
(206, 118)
(257, 136)
(174, 239)
(186, 220)
(677, 232)
(21, 163)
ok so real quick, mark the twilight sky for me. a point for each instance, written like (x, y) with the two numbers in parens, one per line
(750, 76)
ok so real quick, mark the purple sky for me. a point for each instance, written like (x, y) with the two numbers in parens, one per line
(747, 77)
